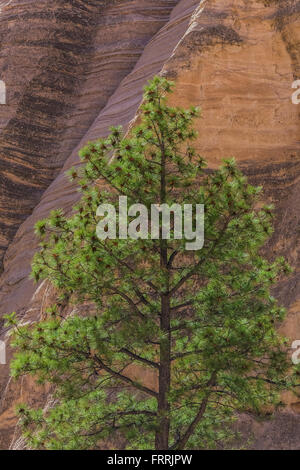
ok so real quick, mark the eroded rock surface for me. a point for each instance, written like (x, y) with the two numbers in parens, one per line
(60, 61)
(237, 60)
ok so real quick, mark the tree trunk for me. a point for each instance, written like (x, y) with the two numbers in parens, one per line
(162, 433)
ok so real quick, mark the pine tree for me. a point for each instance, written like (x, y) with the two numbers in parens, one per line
(204, 321)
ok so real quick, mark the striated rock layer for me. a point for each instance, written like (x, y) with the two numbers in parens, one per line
(236, 59)
(61, 61)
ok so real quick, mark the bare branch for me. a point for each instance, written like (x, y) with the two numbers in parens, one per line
(126, 379)
(139, 358)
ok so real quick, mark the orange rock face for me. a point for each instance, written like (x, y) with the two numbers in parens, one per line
(74, 71)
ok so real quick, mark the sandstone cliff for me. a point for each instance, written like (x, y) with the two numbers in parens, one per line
(77, 67)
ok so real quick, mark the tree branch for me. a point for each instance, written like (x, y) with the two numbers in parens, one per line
(129, 301)
(188, 353)
(178, 307)
(194, 269)
(190, 430)
(125, 379)
(139, 358)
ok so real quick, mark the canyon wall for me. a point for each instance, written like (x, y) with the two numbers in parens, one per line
(61, 61)
(75, 68)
